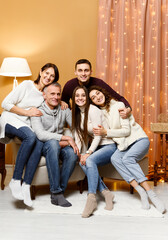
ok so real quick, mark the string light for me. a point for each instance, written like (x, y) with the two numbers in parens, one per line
(126, 39)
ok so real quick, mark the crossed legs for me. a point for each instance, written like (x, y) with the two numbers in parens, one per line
(126, 163)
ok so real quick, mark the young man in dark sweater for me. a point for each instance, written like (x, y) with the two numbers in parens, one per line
(83, 71)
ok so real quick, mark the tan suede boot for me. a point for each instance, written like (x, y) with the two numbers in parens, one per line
(90, 206)
(108, 199)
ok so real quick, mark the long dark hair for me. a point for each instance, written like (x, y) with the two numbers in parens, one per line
(49, 65)
(76, 116)
(106, 94)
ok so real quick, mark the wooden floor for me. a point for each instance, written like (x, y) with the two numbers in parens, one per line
(23, 225)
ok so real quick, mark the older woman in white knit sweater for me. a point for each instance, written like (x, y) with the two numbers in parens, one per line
(19, 106)
(132, 144)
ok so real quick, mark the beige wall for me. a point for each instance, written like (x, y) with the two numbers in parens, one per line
(57, 31)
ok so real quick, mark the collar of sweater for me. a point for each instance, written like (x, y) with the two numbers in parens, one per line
(50, 111)
(82, 109)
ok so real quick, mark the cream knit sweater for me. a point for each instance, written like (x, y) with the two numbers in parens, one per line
(95, 118)
(123, 131)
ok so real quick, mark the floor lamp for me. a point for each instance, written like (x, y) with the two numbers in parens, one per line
(15, 67)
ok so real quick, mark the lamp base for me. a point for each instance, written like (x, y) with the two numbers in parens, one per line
(15, 83)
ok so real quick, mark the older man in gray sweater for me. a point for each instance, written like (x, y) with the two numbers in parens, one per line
(49, 129)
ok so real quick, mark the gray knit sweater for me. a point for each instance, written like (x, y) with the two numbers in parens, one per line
(51, 124)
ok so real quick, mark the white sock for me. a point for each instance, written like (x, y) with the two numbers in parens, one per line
(15, 186)
(156, 201)
(26, 195)
(144, 197)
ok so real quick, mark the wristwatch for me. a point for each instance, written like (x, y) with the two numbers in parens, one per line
(88, 152)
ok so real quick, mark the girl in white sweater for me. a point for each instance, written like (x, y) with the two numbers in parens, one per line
(19, 106)
(132, 144)
(84, 118)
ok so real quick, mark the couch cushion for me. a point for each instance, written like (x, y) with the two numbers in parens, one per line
(42, 162)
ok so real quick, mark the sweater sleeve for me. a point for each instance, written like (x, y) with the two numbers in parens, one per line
(41, 133)
(124, 131)
(95, 121)
(68, 117)
(120, 127)
(113, 93)
(65, 94)
(15, 96)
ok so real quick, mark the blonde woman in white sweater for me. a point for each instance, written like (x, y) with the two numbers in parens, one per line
(85, 116)
(19, 106)
(132, 145)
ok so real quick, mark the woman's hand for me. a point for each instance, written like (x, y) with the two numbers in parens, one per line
(64, 105)
(100, 131)
(34, 112)
(83, 158)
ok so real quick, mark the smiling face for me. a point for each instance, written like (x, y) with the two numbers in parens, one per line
(97, 97)
(47, 76)
(83, 72)
(52, 96)
(80, 97)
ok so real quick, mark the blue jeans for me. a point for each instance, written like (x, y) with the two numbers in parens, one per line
(99, 158)
(59, 176)
(126, 162)
(29, 153)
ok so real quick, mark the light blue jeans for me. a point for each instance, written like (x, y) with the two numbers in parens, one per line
(126, 162)
(99, 158)
(59, 176)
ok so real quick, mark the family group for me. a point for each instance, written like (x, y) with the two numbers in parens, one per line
(103, 131)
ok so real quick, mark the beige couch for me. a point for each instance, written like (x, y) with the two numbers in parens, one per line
(41, 175)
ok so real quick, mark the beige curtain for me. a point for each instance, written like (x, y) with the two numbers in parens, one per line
(132, 57)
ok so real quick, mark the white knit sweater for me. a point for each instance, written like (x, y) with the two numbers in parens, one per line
(95, 118)
(123, 131)
(25, 96)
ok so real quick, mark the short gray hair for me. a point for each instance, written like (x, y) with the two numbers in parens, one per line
(56, 84)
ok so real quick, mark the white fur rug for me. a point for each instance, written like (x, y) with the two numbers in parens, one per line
(125, 204)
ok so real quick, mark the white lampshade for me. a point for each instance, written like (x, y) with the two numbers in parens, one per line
(15, 67)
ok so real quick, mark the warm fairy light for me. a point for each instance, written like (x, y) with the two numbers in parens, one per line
(130, 69)
(161, 180)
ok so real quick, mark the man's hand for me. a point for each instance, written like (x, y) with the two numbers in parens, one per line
(34, 112)
(73, 145)
(63, 144)
(100, 131)
(64, 105)
(124, 112)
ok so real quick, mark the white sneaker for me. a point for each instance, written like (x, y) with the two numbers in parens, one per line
(26, 195)
(15, 186)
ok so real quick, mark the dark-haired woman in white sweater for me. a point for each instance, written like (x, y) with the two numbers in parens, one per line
(132, 145)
